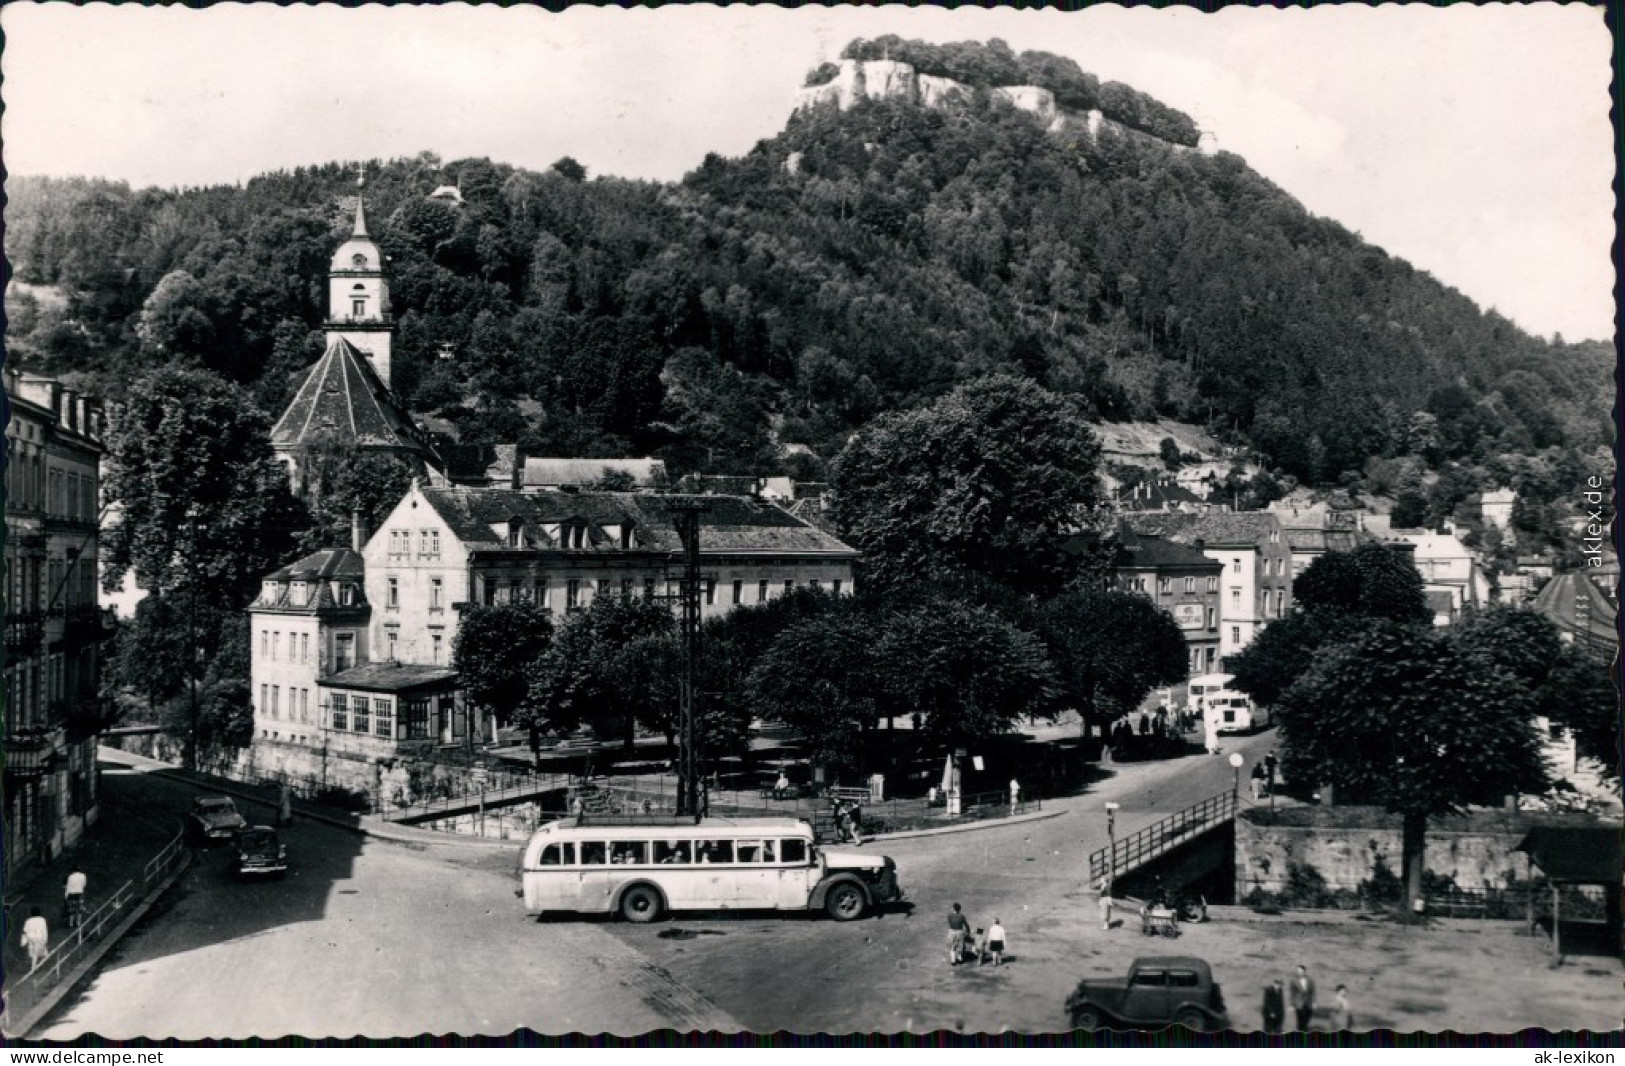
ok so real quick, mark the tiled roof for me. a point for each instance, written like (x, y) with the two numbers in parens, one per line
(320, 570)
(1325, 540)
(1214, 528)
(1138, 552)
(389, 677)
(342, 400)
(545, 472)
(729, 524)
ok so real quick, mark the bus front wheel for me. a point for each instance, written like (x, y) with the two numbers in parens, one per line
(640, 904)
(845, 902)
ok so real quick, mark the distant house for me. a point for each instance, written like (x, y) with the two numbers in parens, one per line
(1313, 530)
(1180, 579)
(1495, 508)
(1447, 566)
(1256, 583)
(493, 466)
(1160, 495)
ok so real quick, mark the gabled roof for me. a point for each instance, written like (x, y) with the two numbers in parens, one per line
(342, 399)
(1214, 528)
(729, 524)
(321, 566)
(321, 570)
(1136, 551)
(1325, 540)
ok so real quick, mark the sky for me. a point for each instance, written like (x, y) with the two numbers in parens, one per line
(1471, 140)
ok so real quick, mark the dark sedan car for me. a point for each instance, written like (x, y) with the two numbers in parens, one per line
(1172, 990)
(259, 852)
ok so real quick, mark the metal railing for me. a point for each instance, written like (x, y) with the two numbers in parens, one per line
(1139, 848)
(73, 947)
(499, 788)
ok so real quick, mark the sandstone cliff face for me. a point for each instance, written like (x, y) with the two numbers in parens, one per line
(887, 79)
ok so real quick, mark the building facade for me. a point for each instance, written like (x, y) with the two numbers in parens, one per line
(54, 627)
(1182, 581)
(344, 681)
(1255, 586)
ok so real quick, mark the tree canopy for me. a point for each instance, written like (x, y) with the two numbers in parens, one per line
(1110, 649)
(984, 481)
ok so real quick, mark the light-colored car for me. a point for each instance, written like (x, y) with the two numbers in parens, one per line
(214, 818)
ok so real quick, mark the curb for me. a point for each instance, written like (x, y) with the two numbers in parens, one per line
(58, 992)
(966, 827)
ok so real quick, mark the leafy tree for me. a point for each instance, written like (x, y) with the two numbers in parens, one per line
(1372, 581)
(570, 169)
(816, 677)
(202, 505)
(1581, 694)
(1110, 649)
(1410, 719)
(153, 654)
(1410, 510)
(339, 482)
(983, 480)
(492, 651)
(1168, 450)
(585, 676)
(963, 673)
(1284, 651)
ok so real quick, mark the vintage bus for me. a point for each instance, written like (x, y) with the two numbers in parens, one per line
(644, 867)
(1228, 709)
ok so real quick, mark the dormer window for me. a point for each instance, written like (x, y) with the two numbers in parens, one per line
(516, 533)
(347, 595)
(627, 540)
(301, 594)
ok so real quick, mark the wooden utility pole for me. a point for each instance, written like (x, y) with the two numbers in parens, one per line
(686, 516)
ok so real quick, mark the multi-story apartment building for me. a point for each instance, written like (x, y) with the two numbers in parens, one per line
(1182, 581)
(54, 627)
(1256, 583)
(378, 665)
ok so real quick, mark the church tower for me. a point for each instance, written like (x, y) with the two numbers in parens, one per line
(358, 297)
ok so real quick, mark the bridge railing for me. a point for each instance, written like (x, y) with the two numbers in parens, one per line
(1137, 849)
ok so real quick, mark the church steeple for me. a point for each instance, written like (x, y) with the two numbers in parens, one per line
(358, 295)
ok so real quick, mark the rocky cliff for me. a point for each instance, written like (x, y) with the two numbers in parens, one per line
(888, 79)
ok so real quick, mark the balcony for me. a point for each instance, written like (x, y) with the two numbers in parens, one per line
(31, 752)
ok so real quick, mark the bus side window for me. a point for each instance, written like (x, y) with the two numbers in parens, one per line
(629, 853)
(592, 853)
(767, 851)
(716, 851)
(793, 851)
(671, 851)
(569, 853)
(550, 855)
(750, 851)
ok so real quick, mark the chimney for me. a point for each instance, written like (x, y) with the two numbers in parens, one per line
(358, 535)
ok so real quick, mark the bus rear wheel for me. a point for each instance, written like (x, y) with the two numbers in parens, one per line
(845, 902)
(640, 904)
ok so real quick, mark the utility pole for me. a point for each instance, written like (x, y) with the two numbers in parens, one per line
(686, 517)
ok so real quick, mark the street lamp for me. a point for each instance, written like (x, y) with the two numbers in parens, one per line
(1235, 770)
(1111, 848)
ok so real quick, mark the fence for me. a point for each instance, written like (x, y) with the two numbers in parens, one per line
(1137, 849)
(72, 949)
(499, 787)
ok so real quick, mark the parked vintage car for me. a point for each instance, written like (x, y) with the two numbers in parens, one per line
(259, 851)
(1159, 991)
(214, 818)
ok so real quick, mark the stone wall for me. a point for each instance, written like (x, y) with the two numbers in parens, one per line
(1346, 844)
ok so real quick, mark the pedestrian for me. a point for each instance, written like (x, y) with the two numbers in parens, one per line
(976, 946)
(1257, 778)
(1145, 724)
(1015, 792)
(958, 927)
(1269, 769)
(1344, 1015)
(1103, 889)
(284, 810)
(1274, 1006)
(1303, 998)
(854, 824)
(781, 786)
(36, 938)
(73, 897)
(995, 942)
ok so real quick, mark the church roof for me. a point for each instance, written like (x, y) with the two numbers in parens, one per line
(342, 399)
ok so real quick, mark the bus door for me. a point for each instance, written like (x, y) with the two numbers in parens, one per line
(555, 884)
(798, 872)
(756, 884)
(714, 877)
(593, 879)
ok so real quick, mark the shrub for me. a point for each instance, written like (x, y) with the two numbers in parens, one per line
(351, 800)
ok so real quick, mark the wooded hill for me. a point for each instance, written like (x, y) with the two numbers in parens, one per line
(858, 262)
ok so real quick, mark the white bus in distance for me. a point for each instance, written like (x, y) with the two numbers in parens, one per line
(642, 868)
(1228, 709)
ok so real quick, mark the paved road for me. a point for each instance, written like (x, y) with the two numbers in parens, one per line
(363, 936)
(891, 974)
(1573, 601)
